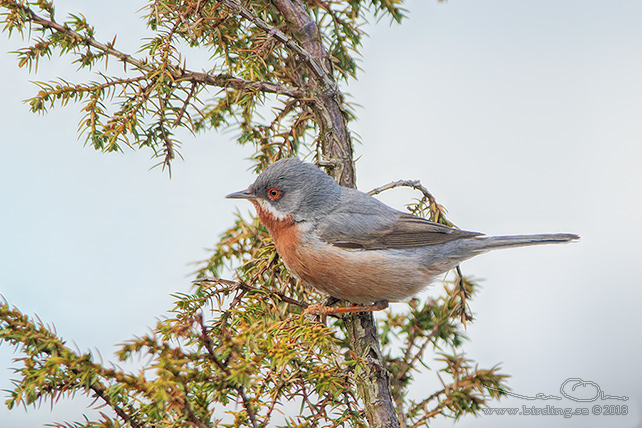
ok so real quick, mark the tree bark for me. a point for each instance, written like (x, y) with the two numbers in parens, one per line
(326, 103)
(373, 383)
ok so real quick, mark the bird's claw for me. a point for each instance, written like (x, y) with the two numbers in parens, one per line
(324, 311)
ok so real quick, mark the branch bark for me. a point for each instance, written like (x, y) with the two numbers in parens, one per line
(373, 383)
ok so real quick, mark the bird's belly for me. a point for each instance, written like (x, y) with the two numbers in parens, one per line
(356, 275)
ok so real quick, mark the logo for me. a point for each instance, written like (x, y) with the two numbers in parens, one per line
(574, 389)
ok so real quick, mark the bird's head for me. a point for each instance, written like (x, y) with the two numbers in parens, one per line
(291, 188)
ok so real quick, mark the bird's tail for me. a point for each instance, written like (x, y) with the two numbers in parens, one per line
(492, 242)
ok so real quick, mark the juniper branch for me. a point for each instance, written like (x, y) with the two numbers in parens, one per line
(179, 75)
(18, 329)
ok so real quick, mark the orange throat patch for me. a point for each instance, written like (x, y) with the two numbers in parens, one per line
(280, 228)
(284, 232)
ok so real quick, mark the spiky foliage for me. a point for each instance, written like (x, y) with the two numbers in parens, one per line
(253, 63)
(237, 352)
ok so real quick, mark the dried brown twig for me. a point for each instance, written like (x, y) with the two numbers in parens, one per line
(415, 184)
(437, 211)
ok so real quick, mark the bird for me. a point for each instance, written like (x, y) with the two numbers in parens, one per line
(351, 246)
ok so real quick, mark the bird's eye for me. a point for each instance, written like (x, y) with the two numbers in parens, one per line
(274, 193)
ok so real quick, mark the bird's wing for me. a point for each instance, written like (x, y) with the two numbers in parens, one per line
(375, 226)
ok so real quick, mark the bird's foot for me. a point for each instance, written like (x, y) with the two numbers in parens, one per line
(323, 311)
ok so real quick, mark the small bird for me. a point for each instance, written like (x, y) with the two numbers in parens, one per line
(351, 246)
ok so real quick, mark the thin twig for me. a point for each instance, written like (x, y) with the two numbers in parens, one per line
(460, 290)
(188, 408)
(437, 211)
(446, 402)
(212, 356)
(421, 422)
(245, 287)
(179, 117)
(415, 184)
(417, 355)
(228, 81)
(273, 404)
(99, 390)
(109, 83)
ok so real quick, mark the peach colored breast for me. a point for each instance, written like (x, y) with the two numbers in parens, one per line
(354, 275)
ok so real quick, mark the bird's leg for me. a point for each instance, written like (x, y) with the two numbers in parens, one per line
(326, 304)
(321, 310)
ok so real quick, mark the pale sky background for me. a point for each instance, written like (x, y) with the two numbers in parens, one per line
(520, 117)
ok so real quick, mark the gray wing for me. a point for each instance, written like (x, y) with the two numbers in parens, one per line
(363, 222)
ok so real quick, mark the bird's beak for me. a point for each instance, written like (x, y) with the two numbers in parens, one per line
(243, 194)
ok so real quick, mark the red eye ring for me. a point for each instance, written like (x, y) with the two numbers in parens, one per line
(274, 193)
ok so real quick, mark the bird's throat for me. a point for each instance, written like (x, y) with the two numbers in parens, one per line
(276, 223)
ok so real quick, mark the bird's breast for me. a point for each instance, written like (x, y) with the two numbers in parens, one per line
(284, 232)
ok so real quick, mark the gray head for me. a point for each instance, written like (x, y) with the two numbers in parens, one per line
(290, 186)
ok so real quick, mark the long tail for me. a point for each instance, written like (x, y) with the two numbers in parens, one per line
(492, 242)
